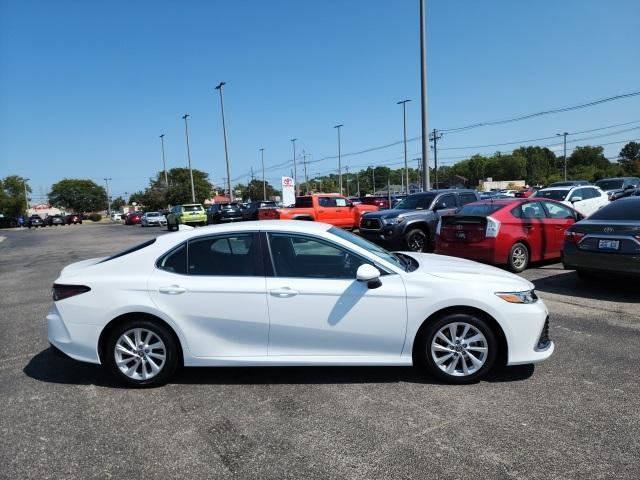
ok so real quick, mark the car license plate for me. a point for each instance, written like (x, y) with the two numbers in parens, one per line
(609, 244)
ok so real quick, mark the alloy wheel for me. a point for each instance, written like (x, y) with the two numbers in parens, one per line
(140, 354)
(417, 242)
(459, 349)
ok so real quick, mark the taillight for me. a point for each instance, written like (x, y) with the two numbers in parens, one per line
(493, 228)
(573, 237)
(60, 292)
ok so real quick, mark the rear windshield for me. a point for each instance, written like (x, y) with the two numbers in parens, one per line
(130, 250)
(623, 209)
(610, 184)
(480, 210)
(552, 194)
(192, 208)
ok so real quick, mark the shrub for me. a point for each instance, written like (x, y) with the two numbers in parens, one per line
(95, 217)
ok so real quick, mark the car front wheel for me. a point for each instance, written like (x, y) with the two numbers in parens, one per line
(141, 353)
(417, 240)
(458, 348)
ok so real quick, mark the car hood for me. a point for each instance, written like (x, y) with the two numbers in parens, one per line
(394, 213)
(454, 268)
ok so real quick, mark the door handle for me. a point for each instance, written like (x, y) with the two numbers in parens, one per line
(320, 211)
(283, 292)
(172, 290)
(529, 227)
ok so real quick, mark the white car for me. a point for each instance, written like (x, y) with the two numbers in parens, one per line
(153, 219)
(586, 199)
(116, 216)
(291, 293)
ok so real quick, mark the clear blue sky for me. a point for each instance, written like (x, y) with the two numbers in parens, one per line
(86, 87)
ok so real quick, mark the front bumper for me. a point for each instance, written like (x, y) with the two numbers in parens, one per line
(526, 328)
(387, 234)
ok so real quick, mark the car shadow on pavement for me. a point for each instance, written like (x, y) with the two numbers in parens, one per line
(610, 289)
(53, 367)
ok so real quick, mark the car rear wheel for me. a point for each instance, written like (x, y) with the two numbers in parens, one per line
(141, 353)
(458, 348)
(518, 257)
(417, 240)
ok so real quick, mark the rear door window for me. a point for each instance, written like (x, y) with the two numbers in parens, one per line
(228, 255)
(465, 198)
(445, 201)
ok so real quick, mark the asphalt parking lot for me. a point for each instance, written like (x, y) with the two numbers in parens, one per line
(574, 416)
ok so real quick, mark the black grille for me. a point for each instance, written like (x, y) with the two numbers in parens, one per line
(370, 224)
(544, 341)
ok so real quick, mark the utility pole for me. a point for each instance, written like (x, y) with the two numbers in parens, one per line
(295, 168)
(164, 163)
(264, 183)
(373, 183)
(423, 98)
(565, 152)
(435, 136)
(306, 179)
(339, 159)
(389, 190)
(106, 180)
(419, 160)
(26, 196)
(358, 182)
(347, 170)
(186, 132)
(404, 128)
(224, 132)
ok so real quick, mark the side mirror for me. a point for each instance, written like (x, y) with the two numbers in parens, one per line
(576, 199)
(370, 274)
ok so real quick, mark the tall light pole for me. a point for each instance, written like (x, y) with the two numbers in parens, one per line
(26, 197)
(164, 163)
(565, 152)
(423, 98)
(346, 169)
(106, 180)
(186, 133)
(306, 179)
(295, 168)
(404, 128)
(224, 132)
(358, 182)
(373, 182)
(339, 159)
(264, 183)
(434, 137)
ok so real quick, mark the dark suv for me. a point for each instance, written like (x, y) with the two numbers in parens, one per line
(224, 212)
(411, 224)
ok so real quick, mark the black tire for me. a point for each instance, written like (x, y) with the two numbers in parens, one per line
(171, 353)
(426, 358)
(518, 260)
(417, 240)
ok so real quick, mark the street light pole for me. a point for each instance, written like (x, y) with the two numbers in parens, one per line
(224, 132)
(358, 182)
(347, 175)
(339, 159)
(295, 168)
(106, 180)
(26, 197)
(565, 152)
(423, 98)
(186, 133)
(404, 128)
(373, 183)
(264, 183)
(164, 163)
(435, 136)
(306, 179)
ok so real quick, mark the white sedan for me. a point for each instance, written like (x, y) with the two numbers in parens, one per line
(150, 219)
(291, 293)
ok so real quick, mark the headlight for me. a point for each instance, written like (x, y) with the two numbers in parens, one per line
(528, 296)
(393, 221)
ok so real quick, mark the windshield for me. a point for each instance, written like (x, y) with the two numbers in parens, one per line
(192, 208)
(416, 202)
(610, 184)
(367, 245)
(480, 210)
(552, 194)
(153, 214)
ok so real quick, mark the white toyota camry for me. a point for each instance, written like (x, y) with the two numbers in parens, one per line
(291, 293)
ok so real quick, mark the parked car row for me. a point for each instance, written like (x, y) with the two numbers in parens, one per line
(36, 220)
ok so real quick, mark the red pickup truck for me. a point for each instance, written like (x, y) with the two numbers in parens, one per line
(322, 207)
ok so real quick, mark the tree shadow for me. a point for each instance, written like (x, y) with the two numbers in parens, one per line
(609, 288)
(52, 366)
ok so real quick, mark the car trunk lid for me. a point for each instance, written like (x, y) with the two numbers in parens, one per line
(463, 229)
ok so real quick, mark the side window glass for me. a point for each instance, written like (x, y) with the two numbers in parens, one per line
(532, 210)
(580, 192)
(341, 202)
(175, 261)
(229, 255)
(327, 202)
(305, 257)
(465, 198)
(446, 201)
(558, 211)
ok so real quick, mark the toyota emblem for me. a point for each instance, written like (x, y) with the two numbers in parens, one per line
(608, 229)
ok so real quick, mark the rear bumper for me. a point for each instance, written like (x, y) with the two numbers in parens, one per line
(625, 264)
(484, 251)
(78, 341)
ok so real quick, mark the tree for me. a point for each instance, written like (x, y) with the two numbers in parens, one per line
(156, 196)
(118, 202)
(254, 191)
(589, 163)
(630, 158)
(12, 201)
(78, 195)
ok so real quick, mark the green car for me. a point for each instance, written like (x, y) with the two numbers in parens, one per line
(191, 214)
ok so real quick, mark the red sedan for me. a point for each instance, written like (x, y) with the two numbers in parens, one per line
(132, 218)
(510, 232)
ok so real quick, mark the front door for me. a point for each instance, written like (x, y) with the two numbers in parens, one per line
(317, 307)
(216, 292)
(560, 218)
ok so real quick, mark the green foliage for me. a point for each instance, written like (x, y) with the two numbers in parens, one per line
(95, 217)
(254, 190)
(78, 195)
(156, 196)
(630, 159)
(117, 202)
(589, 163)
(12, 201)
